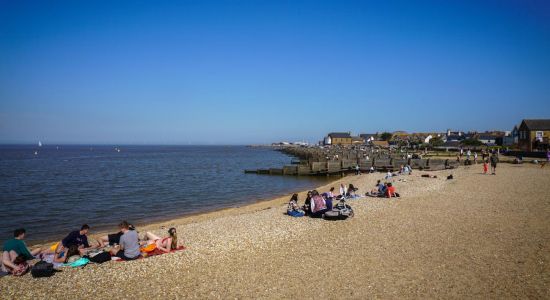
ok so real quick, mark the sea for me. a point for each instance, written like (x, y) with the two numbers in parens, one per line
(54, 189)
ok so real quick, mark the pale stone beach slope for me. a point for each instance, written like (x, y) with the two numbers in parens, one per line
(476, 236)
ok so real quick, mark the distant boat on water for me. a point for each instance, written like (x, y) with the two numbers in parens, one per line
(39, 144)
(35, 152)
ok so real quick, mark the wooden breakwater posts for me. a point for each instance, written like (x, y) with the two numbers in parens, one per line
(313, 162)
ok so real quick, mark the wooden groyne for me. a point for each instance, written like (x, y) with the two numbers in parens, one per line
(337, 161)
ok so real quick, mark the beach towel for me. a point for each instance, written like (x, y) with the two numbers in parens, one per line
(160, 252)
(81, 262)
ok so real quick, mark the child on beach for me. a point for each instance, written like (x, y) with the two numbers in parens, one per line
(485, 167)
(293, 209)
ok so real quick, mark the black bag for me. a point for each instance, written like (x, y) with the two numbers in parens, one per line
(101, 257)
(340, 211)
(42, 269)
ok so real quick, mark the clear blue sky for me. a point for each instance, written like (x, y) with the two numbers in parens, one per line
(231, 72)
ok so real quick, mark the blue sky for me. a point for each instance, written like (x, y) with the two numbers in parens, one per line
(237, 72)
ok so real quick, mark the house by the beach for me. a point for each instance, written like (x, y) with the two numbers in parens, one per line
(357, 140)
(369, 137)
(534, 134)
(487, 139)
(340, 138)
(511, 137)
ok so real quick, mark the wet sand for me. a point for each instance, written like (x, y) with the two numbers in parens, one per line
(477, 236)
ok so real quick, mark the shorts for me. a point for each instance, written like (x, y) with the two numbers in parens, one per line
(120, 254)
(494, 165)
(114, 238)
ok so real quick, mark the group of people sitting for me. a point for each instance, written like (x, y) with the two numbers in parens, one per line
(125, 245)
(317, 204)
(385, 189)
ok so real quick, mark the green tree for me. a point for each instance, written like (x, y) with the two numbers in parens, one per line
(386, 136)
(436, 141)
(471, 142)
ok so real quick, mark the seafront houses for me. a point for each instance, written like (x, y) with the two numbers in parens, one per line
(367, 137)
(453, 136)
(487, 139)
(338, 138)
(357, 140)
(534, 134)
(511, 138)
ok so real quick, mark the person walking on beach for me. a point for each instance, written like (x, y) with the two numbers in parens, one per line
(475, 158)
(494, 161)
(485, 167)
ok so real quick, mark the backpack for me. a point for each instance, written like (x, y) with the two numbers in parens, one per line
(42, 269)
(340, 211)
(101, 257)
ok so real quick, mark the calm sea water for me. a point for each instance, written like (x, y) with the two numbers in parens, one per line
(57, 190)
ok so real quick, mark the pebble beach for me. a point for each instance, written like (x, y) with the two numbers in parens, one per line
(475, 236)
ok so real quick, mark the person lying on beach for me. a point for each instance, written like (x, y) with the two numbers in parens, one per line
(58, 259)
(68, 256)
(163, 244)
(293, 209)
(15, 253)
(128, 248)
(318, 205)
(112, 239)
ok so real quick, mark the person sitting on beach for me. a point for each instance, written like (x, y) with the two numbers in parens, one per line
(164, 244)
(293, 209)
(402, 169)
(378, 189)
(15, 253)
(351, 191)
(343, 190)
(318, 205)
(78, 238)
(307, 204)
(390, 191)
(330, 193)
(112, 239)
(128, 249)
(388, 175)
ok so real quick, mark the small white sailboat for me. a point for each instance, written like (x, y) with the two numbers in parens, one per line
(39, 144)
(35, 152)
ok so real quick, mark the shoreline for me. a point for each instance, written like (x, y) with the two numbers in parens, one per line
(476, 236)
(194, 217)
